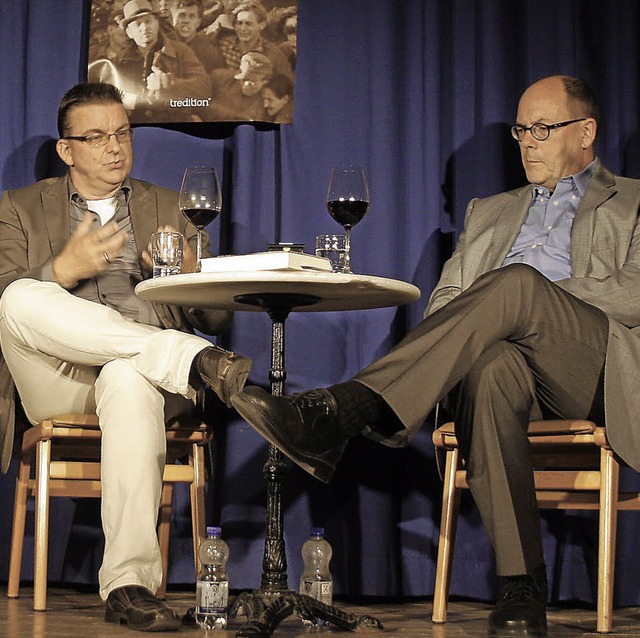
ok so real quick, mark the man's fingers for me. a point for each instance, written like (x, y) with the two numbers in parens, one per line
(84, 227)
(108, 230)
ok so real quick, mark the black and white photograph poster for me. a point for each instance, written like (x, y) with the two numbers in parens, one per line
(197, 60)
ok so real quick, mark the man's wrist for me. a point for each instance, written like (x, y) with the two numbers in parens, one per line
(59, 278)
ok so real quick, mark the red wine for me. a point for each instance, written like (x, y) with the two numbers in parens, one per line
(200, 217)
(347, 212)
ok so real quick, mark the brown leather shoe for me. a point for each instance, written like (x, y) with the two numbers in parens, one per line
(223, 371)
(139, 609)
(303, 426)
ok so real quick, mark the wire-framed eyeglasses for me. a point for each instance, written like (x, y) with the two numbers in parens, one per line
(539, 130)
(96, 140)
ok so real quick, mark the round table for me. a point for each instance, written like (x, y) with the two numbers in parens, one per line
(335, 291)
(279, 292)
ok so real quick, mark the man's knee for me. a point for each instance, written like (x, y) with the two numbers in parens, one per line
(518, 275)
(16, 296)
(120, 376)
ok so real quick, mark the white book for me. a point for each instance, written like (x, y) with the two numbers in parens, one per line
(277, 260)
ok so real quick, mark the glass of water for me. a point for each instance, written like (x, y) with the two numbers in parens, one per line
(166, 252)
(334, 248)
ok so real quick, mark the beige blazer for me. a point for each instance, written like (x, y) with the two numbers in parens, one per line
(35, 225)
(605, 257)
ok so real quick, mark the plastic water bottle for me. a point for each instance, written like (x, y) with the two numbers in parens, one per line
(212, 586)
(316, 578)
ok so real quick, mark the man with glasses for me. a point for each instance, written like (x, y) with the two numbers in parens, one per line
(538, 301)
(75, 338)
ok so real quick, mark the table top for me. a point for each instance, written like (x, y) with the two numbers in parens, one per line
(336, 291)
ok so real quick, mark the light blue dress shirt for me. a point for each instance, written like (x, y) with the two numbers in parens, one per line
(544, 240)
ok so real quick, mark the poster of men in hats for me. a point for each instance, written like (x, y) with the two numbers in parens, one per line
(197, 60)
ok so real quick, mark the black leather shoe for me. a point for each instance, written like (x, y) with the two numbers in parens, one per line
(521, 609)
(139, 609)
(303, 426)
(223, 371)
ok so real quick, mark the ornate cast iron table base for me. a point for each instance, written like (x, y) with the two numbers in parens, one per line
(268, 606)
(265, 611)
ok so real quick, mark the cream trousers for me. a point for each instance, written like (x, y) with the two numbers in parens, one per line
(66, 355)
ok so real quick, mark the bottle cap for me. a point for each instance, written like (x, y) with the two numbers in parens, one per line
(317, 531)
(214, 531)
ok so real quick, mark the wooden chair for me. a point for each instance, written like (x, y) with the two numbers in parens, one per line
(574, 468)
(65, 452)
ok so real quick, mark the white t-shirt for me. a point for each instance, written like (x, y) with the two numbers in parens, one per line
(104, 208)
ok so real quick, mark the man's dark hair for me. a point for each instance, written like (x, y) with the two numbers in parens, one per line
(281, 85)
(189, 3)
(254, 6)
(582, 97)
(85, 93)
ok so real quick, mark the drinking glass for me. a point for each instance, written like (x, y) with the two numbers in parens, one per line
(200, 200)
(348, 201)
(166, 253)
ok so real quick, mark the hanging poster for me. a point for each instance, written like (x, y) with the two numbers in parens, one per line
(197, 60)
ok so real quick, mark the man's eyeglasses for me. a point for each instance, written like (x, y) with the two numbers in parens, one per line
(96, 140)
(539, 130)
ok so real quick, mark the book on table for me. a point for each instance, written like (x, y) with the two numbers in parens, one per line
(276, 260)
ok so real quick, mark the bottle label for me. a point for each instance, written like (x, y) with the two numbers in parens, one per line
(320, 590)
(211, 597)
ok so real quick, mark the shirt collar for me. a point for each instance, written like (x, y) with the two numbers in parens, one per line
(75, 197)
(580, 180)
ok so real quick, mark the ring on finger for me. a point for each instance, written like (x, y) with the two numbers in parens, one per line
(106, 257)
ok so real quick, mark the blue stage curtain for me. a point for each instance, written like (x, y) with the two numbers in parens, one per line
(422, 94)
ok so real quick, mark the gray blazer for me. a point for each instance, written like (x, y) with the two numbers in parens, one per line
(35, 225)
(605, 258)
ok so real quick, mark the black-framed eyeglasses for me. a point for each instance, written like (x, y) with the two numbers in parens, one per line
(96, 140)
(539, 130)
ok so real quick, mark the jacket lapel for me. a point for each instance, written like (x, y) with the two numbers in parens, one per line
(144, 217)
(55, 214)
(601, 188)
(508, 221)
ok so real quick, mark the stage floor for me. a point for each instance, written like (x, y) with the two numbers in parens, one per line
(73, 613)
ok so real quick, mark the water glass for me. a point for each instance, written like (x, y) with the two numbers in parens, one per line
(166, 252)
(334, 248)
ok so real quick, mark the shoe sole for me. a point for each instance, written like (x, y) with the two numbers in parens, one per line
(516, 632)
(159, 624)
(319, 469)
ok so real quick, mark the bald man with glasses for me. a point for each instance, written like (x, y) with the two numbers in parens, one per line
(540, 299)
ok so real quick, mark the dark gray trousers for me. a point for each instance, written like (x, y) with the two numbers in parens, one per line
(509, 346)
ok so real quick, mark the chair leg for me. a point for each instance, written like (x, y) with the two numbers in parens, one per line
(164, 534)
(43, 458)
(450, 507)
(17, 532)
(609, 479)
(197, 489)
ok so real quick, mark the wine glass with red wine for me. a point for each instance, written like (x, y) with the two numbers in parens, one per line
(200, 200)
(348, 201)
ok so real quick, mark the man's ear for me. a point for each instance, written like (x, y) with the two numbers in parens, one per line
(64, 151)
(589, 130)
